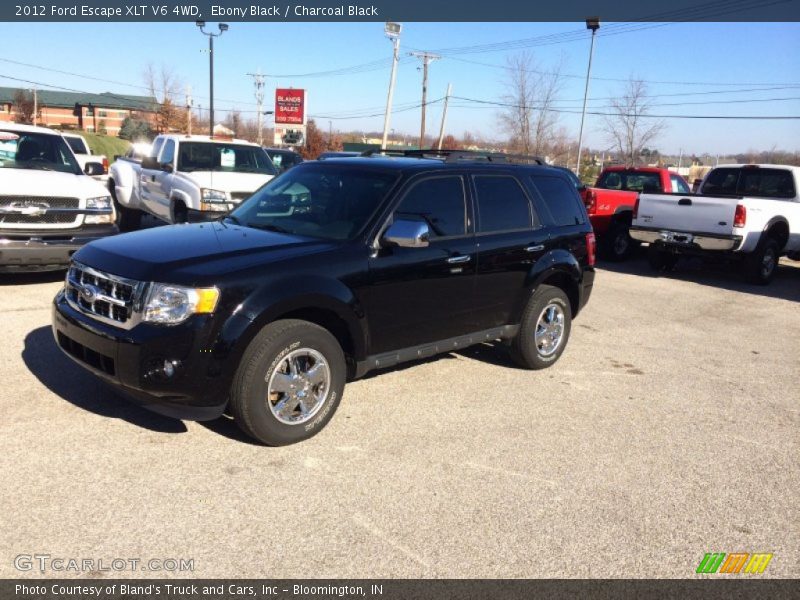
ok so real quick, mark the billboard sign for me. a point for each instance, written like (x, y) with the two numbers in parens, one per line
(290, 106)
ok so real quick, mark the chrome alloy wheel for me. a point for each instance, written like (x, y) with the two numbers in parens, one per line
(299, 386)
(549, 329)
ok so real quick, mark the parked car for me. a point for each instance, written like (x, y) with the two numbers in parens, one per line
(746, 212)
(48, 207)
(123, 184)
(195, 178)
(283, 159)
(84, 154)
(332, 270)
(332, 154)
(610, 203)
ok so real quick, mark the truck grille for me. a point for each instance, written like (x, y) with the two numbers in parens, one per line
(105, 297)
(35, 210)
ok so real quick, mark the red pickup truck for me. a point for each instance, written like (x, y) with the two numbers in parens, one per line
(610, 203)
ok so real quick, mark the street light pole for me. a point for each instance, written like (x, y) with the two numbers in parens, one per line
(223, 27)
(592, 23)
(392, 31)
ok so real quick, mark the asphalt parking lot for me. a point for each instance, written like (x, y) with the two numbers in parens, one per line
(668, 429)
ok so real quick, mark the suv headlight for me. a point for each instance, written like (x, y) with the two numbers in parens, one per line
(173, 304)
(213, 200)
(101, 203)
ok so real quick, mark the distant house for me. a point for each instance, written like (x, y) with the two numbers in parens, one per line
(91, 112)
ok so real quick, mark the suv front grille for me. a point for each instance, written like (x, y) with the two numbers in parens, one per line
(22, 210)
(105, 297)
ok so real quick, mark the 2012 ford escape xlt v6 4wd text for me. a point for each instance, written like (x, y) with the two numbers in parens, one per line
(333, 269)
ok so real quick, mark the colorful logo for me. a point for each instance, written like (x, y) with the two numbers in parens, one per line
(733, 563)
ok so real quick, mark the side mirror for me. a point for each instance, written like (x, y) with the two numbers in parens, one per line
(408, 234)
(148, 162)
(93, 168)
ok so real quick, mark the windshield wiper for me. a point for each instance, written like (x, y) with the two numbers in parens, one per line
(269, 227)
(230, 218)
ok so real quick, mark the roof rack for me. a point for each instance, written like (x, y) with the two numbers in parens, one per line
(458, 155)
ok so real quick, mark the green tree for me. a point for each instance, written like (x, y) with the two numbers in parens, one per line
(135, 129)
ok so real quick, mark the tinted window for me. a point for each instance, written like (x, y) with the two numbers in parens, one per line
(629, 181)
(502, 205)
(768, 183)
(440, 203)
(235, 158)
(36, 151)
(678, 185)
(168, 155)
(77, 145)
(560, 198)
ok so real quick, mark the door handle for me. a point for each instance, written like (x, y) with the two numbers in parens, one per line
(455, 260)
(536, 248)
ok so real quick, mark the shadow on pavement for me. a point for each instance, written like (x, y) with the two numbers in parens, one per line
(7, 279)
(728, 276)
(75, 385)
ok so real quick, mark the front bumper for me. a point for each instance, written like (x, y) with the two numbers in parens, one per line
(45, 250)
(130, 360)
(684, 240)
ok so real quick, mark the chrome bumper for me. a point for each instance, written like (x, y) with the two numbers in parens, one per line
(685, 240)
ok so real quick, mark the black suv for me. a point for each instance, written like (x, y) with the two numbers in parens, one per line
(333, 269)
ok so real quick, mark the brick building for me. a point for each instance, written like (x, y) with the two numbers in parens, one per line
(95, 112)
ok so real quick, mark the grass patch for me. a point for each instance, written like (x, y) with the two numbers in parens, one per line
(105, 144)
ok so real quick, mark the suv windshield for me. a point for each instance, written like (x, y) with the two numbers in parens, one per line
(328, 202)
(36, 150)
(629, 181)
(234, 158)
(750, 181)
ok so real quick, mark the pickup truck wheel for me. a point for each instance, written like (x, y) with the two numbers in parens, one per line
(760, 266)
(289, 383)
(128, 219)
(661, 260)
(544, 330)
(180, 213)
(618, 244)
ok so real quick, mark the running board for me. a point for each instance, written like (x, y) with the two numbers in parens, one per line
(390, 359)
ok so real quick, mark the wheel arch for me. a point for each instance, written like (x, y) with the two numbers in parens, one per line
(778, 229)
(559, 269)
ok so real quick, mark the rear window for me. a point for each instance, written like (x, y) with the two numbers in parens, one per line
(629, 181)
(77, 145)
(766, 183)
(561, 199)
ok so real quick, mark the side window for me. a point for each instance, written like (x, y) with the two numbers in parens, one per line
(168, 155)
(156, 147)
(560, 198)
(502, 204)
(440, 203)
(678, 186)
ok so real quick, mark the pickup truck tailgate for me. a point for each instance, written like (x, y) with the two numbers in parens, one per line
(691, 213)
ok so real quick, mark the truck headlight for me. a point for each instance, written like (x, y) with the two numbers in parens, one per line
(173, 304)
(214, 200)
(100, 203)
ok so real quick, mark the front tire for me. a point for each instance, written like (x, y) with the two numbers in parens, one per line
(661, 260)
(544, 330)
(128, 219)
(760, 266)
(289, 383)
(618, 245)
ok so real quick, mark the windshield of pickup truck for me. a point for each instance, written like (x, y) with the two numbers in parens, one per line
(629, 181)
(36, 151)
(233, 158)
(750, 181)
(312, 200)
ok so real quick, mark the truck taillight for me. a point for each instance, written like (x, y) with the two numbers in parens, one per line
(636, 208)
(740, 216)
(590, 201)
(105, 165)
(591, 248)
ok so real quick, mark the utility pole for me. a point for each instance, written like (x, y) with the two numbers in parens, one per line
(330, 135)
(444, 114)
(680, 159)
(426, 58)
(592, 23)
(392, 31)
(35, 105)
(223, 27)
(258, 82)
(189, 109)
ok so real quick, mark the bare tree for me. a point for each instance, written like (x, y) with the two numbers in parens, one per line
(629, 128)
(529, 120)
(23, 107)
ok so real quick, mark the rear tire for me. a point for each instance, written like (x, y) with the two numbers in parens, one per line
(544, 329)
(289, 383)
(618, 245)
(761, 265)
(661, 260)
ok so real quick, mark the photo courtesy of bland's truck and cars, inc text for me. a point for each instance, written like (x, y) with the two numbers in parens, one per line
(393, 300)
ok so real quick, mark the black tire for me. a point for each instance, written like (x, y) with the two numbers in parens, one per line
(525, 351)
(618, 245)
(761, 265)
(267, 357)
(180, 214)
(128, 219)
(661, 260)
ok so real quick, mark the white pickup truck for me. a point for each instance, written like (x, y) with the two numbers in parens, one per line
(750, 212)
(123, 183)
(196, 178)
(49, 207)
(80, 148)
